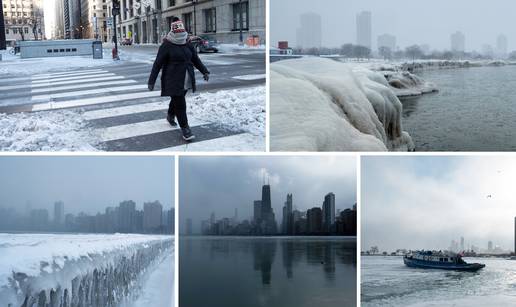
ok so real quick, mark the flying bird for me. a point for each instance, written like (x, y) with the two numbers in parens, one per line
(489, 196)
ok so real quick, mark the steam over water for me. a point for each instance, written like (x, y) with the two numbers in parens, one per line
(475, 110)
(272, 272)
(386, 281)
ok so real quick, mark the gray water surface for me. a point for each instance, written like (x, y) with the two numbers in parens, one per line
(272, 272)
(474, 110)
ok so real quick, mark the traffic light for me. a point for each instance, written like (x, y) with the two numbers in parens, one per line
(116, 8)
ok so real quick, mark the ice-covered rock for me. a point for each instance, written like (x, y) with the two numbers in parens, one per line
(325, 105)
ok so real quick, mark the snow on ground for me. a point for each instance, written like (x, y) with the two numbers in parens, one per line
(239, 109)
(158, 287)
(46, 131)
(26, 252)
(231, 48)
(320, 104)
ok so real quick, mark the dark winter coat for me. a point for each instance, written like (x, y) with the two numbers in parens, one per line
(175, 61)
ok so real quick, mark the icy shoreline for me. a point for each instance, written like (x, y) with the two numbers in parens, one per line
(320, 104)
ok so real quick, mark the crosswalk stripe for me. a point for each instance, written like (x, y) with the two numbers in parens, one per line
(250, 77)
(137, 129)
(89, 92)
(78, 81)
(228, 143)
(120, 111)
(78, 86)
(92, 101)
(69, 73)
(72, 78)
(10, 87)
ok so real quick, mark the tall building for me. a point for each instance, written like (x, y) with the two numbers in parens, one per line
(24, 20)
(314, 220)
(501, 45)
(387, 41)
(309, 34)
(126, 215)
(364, 29)
(189, 227)
(39, 219)
(287, 222)
(67, 19)
(328, 212)
(490, 246)
(458, 42)
(462, 243)
(257, 212)
(58, 213)
(268, 220)
(152, 216)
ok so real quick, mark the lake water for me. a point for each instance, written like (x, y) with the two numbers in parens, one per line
(475, 110)
(386, 281)
(272, 272)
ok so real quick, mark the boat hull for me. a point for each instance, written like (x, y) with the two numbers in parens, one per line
(415, 263)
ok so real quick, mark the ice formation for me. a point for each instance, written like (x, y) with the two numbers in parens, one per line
(77, 270)
(324, 105)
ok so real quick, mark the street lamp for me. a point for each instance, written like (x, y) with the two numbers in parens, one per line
(241, 22)
(2, 27)
(195, 17)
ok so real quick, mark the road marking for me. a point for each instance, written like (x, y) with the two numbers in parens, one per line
(72, 78)
(138, 129)
(228, 143)
(120, 111)
(78, 86)
(250, 77)
(89, 92)
(77, 81)
(92, 101)
(73, 73)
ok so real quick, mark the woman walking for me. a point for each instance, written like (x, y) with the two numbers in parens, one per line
(177, 58)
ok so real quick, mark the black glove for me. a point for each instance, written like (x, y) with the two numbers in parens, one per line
(206, 76)
(150, 86)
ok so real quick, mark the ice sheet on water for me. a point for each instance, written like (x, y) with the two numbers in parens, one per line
(324, 105)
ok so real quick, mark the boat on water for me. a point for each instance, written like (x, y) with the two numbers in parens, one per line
(439, 260)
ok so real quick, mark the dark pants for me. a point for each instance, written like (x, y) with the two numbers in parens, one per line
(177, 108)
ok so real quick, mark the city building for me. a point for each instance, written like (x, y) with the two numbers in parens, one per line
(309, 34)
(268, 224)
(58, 213)
(24, 20)
(490, 246)
(287, 225)
(364, 29)
(387, 41)
(458, 42)
(67, 19)
(314, 220)
(257, 212)
(328, 211)
(39, 219)
(462, 244)
(126, 216)
(152, 217)
(501, 45)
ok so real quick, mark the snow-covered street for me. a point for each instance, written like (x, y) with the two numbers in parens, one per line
(81, 104)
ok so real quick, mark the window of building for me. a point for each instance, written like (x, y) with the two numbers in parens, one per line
(240, 16)
(131, 11)
(171, 2)
(94, 14)
(24, 13)
(15, 31)
(210, 20)
(26, 30)
(94, 7)
(6, 30)
(187, 21)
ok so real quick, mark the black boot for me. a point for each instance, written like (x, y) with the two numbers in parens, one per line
(171, 121)
(187, 134)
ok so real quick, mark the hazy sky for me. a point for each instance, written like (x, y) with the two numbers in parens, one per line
(425, 202)
(412, 22)
(88, 184)
(221, 184)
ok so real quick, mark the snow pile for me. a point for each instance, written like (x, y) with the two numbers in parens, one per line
(404, 84)
(231, 48)
(45, 131)
(238, 109)
(324, 105)
(76, 269)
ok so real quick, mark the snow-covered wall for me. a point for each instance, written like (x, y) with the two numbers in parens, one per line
(321, 104)
(104, 274)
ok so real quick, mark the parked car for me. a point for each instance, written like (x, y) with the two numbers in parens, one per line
(203, 44)
(126, 42)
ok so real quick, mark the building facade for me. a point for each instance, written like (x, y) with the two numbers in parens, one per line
(364, 29)
(458, 42)
(152, 216)
(387, 41)
(309, 34)
(328, 211)
(58, 213)
(24, 20)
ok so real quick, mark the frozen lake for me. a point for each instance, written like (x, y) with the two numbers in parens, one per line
(272, 272)
(386, 281)
(473, 111)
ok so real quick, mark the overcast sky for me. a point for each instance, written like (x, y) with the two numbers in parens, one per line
(221, 184)
(88, 184)
(412, 22)
(425, 202)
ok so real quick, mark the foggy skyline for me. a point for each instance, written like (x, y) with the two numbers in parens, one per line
(221, 184)
(87, 184)
(425, 202)
(412, 22)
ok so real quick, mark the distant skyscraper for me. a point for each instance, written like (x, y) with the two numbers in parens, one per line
(189, 227)
(39, 219)
(387, 41)
(126, 216)
(58, 213)
(501, 45)
(328, 212)
(257, 211)
(152, 214)
(364, 29)
(490, 246)
(314, 220)
(309, 35)
(462, 243)
(268, 220)
(287, 224)
(458, 42)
